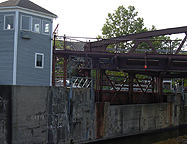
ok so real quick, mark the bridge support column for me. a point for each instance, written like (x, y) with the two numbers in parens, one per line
(153, 94)
(160, 88)
(97, 85)
(101, 85)
(131, 78)
(64, 71)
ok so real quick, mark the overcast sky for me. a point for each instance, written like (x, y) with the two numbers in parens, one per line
(85, 18)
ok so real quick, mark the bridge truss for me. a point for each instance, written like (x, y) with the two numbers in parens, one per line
(155, 63)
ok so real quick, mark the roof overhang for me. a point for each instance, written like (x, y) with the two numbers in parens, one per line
(25, 10)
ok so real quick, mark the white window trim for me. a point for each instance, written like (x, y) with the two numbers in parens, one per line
(40, 25)
(42, 60)
(43, 27)
(13, 21)
(30, 23)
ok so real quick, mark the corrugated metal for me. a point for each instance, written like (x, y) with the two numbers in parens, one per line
(27, 74)
(6, 53)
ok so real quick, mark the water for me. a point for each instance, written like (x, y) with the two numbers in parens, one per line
(148, 138)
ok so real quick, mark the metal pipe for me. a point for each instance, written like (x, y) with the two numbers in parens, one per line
(64, 42)
(54, 61)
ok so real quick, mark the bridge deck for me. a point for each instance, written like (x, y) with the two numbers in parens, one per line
(153, 62)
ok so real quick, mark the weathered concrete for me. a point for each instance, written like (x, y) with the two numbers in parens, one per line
(70, 119)
(29, 115)
(5, 114)
(120, 120)
(45, 115)
(50, 115)
(133, 119)
(178, 108)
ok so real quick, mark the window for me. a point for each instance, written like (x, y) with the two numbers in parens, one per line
(36, 25)
(9, 22)
(46, 27)
(26, 23)
(39, 60)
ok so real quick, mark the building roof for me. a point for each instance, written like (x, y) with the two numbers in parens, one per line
(26, 4)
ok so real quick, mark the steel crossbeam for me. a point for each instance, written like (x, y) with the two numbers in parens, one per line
(159, 64)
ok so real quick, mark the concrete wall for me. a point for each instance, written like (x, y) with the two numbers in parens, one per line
(47, 115)
(29, 114)
(120, 120)
(178, 108)
(133, 119)
(70, 119)
(5, 114)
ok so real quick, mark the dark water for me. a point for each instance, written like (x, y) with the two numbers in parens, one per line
(148, 138)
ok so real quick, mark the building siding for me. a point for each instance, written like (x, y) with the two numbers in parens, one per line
(6, 53)
(27, 74)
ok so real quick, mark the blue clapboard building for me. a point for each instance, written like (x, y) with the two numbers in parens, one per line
(25, 44)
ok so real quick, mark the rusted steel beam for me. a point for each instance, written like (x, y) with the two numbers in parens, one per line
(144, 92)
(135, 46)
(139, 85)
(64, 71)
(110, 82)
(134, 62)
(152, 47)
(181, 45)
(101, 84)
(54, 61)
(97, 85)
(131, 78)
(124, 83)
(116, 91)
(153, 93)
(160, 88)
(137, 42)
(140, 36)
(63, 53)
(64, 42)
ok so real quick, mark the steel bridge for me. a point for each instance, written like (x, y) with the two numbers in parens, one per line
(127, 87)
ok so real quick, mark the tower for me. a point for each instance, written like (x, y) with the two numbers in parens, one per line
(25, 44)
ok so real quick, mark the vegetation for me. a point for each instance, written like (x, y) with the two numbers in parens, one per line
(126, 21)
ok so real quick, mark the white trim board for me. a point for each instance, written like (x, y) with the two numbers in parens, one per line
(15, 48)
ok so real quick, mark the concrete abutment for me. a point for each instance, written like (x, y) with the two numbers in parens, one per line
(47, 115)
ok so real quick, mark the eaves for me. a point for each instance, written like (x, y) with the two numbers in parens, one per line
(28, 11)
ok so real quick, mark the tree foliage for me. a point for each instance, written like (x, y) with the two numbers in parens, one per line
(126, 21)
(123, 22)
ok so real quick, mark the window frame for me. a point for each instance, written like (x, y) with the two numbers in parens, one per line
(5, 21)
(30, 26)
(40, 67)
(43, 27)
(33, 25)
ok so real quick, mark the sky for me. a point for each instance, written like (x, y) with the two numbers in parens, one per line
(85, 18)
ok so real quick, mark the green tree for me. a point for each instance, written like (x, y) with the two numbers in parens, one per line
(59, 44)
(126, 21)
(122, 22)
